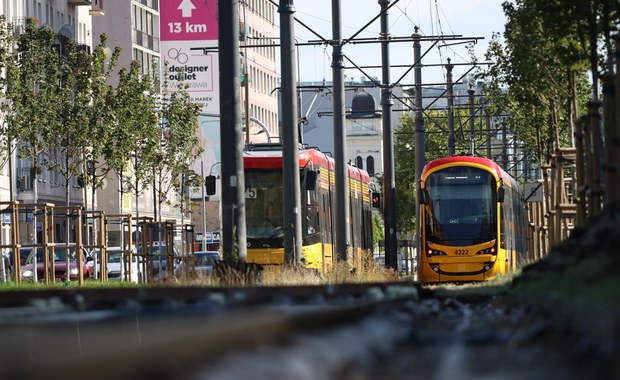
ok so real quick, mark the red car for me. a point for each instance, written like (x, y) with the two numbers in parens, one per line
(60, 263)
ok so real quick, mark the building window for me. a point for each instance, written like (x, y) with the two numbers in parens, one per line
(370, 165)
(359, 162)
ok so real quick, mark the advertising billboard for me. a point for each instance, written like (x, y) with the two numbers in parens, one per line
(187, 25)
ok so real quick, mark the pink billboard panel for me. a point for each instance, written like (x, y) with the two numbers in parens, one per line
(188, 20)
(188, 39)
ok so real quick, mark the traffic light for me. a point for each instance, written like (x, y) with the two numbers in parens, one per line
(80, 181)
(210, 184)
(376, 199)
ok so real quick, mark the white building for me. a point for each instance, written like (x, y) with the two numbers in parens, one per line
(363, 120)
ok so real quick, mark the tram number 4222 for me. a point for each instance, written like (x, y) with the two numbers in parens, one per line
(461, 252)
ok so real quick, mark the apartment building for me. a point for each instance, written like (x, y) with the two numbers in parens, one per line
(259, 106)
(134, 26)
(258, 42)
(68, 19)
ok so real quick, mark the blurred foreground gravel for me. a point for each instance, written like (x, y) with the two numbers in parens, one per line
(559, 320)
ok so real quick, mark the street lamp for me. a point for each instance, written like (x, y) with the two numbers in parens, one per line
(262, 126)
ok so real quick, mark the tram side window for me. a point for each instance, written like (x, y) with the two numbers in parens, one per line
(312, 220)
(519, 222)
(367, 229)
(502, 224)
(507, 207)
(326, 219)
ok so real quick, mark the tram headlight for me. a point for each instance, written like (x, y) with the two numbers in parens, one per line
(487, 251)
(488, 266)
(434, 252)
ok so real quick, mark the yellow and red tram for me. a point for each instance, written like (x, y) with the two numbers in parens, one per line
(472, 221)
(264, 214)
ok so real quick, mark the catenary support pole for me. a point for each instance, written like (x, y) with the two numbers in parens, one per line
(389, 182)
(233, 236)
(419, 130)
(290, 137)
(341, 209)
(449, 84)
(472, 136)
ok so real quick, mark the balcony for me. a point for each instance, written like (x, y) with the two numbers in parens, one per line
(79, 2)
(146, 40)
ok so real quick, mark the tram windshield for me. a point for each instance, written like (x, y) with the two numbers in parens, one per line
(461, 206)
(263, 204)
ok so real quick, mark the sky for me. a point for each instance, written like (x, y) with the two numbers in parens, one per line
(467, 18)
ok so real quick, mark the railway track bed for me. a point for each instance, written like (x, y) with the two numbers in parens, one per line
(392, 331)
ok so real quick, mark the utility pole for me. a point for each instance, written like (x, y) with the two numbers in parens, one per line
(389, 182)
(290, 138)
(233, 237)
(451, 139)
(341, 209)
(489, 134)
(419, 130)
(471, 92)
(204, 200)
(246, 83)
(504, 147)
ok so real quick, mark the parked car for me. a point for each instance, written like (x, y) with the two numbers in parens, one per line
(60, 252)
(157, 260)
(204, 261)
(8, 257)
(117, 270)
(116, 267)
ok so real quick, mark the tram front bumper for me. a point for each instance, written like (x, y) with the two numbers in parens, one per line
(447, 269)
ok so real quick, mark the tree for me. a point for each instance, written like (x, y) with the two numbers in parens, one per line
(539, 76)
(81, 81)
(101, 119)
(179, 147)
(135, 132)
(6, 46)
(378, 229)
(31, 91)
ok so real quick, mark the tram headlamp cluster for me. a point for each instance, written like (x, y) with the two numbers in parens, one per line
(487, 251)
(435, 252)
